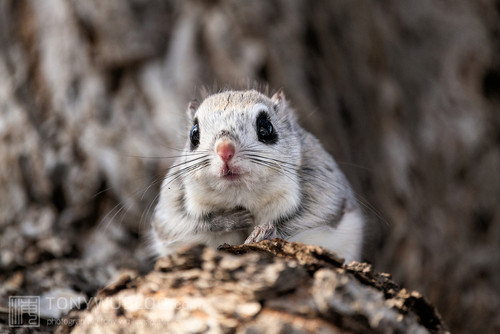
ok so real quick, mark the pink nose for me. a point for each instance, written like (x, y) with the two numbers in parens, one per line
(225, 150)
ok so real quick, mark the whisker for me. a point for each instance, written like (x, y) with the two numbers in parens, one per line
(284, 166)
(299, 174)
(359, 199)
(178, 173)
(147, 213)
(124, 206)
(155, 181)
(101, 192)
(286, 163)
(344, 163)
(291, 168)
(188, 161)
(365, 204)
(275, 168)
(109, 221)
(189, 171)
(185, 168)
(260, 154)
(169, 156)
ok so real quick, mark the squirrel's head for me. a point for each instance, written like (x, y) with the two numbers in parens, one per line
(242, 140)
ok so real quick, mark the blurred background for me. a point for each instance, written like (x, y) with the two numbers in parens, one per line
(405, 95)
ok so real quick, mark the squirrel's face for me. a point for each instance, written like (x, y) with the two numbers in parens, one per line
(242, 140)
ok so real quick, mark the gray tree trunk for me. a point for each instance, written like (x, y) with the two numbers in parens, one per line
(405, 95)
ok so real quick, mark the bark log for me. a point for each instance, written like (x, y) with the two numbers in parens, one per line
(271, 287)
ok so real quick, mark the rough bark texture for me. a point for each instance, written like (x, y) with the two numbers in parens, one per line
(405, 94)
(272, 287)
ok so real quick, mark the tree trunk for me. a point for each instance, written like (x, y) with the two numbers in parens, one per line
(405, 95)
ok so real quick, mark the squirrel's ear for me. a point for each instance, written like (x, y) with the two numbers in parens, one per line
(191, 109)
(279, 100)
(278, 97)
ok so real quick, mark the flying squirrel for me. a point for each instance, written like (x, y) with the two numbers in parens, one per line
(249, 172)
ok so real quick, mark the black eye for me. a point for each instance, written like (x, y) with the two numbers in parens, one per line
(194, 136)
(265, 130)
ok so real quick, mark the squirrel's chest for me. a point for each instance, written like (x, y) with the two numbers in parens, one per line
(266, 204)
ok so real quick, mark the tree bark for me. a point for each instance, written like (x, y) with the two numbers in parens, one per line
(270, 287)
(405, 95)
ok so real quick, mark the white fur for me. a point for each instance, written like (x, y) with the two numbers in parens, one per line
(344, 240)
(258, 107)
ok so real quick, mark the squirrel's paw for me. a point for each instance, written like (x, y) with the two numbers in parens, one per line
(262, 232)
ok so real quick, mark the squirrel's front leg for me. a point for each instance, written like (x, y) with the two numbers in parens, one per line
(228, 221)
(263, 232)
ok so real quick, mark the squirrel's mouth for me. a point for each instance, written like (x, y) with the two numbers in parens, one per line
(230, 173)
(231, 176)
